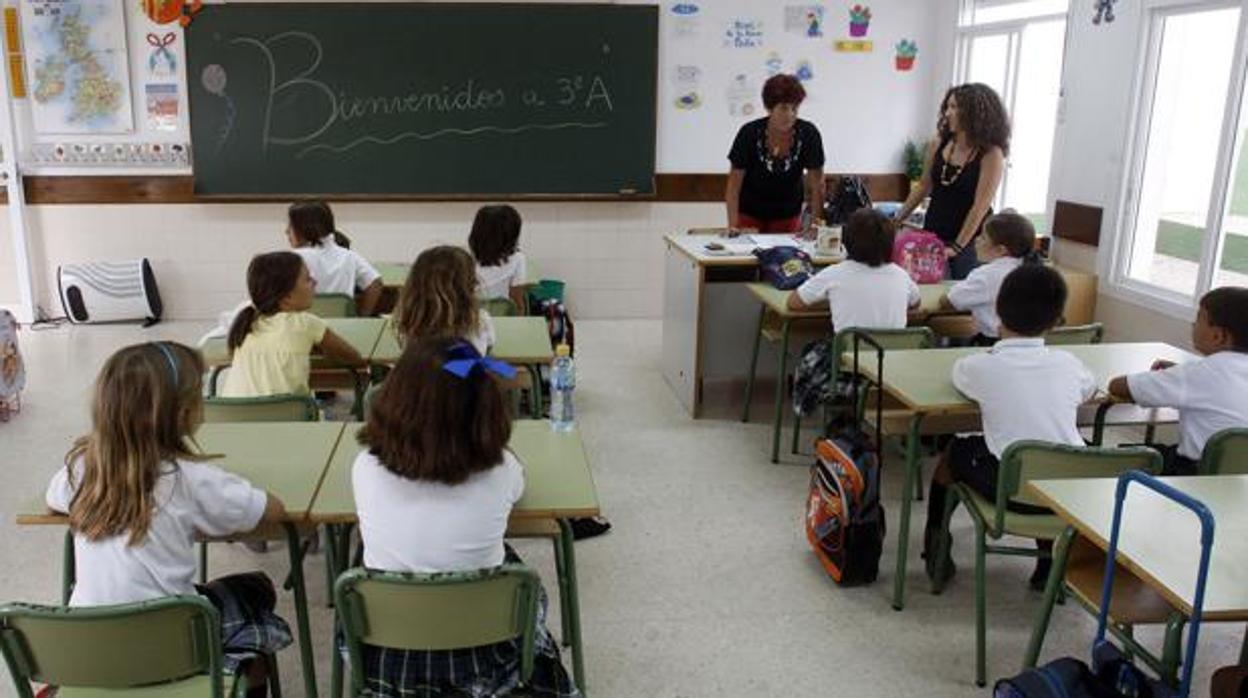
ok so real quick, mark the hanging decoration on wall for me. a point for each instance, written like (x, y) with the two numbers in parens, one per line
(744, 33)
(159, 154)
(845, 46)
(804, 70)
(741, 94)
(774, 64)
(166, 11)
(1104, 11)
(806, 20)
(906, 52)
(686, 79)
(161, 62)
(686, 20)
(78, 66)
(859, 20)
(162, 107)
(214, 81)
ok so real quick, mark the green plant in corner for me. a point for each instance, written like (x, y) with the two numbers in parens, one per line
(913, 158)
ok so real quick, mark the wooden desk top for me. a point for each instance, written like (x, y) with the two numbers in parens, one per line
(286, 458)
(521, 340)
(921, 378)
(360, 332)
(1167, 562)
(558, 481)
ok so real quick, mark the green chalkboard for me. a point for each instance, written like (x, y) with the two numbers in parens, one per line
(422, 98)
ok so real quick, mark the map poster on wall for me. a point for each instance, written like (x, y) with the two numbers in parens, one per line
(78, 69)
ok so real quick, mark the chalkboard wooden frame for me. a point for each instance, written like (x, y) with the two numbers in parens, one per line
(645, 17)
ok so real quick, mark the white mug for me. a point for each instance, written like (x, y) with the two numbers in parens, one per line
(828, 241)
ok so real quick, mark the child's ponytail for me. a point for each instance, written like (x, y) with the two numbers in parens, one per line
(241, 327)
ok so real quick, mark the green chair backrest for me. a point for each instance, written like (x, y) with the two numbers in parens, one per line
(1025, 461)
(440, 611)
(898, 339)
(1226, 453)
(271, 408)
(1076, 334)
(333, 305)
(113, 647)
(500, 307)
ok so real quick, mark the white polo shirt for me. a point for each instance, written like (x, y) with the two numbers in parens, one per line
(978, 293)
(1026, 391)
(420, 526)
(497, 281)
(337, 269)
(187, 498)
(863, 296)
(1211, 395)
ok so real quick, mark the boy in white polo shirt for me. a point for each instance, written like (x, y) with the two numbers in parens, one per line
(866, 290)
(1008, 240)
(1025, 391)
(1210, 394)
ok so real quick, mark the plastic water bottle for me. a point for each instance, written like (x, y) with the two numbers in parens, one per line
(562, 383)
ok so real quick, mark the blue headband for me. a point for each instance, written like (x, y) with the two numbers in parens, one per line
(173, 364)
(467, 360)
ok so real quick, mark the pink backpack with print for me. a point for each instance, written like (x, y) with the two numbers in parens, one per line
(921, 254)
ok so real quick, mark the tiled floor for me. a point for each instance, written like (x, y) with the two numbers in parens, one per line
(706, 586)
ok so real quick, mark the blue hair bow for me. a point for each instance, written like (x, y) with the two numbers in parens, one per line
(468, 360)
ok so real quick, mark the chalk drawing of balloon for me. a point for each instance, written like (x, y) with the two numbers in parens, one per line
(214, 80)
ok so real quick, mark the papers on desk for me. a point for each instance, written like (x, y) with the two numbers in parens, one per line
(744, 245)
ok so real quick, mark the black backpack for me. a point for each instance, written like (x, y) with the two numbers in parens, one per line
(849, 195)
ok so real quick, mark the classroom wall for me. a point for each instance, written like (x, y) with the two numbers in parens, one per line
(1090, 152)
(10, 296)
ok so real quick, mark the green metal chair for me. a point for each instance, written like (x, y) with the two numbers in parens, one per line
(843, 345)
(433, 612)
(1021, 463)
(271, 408)
(164, 647)
(1075, 334)
(332, 305)
(500, 307)
(1226, 453)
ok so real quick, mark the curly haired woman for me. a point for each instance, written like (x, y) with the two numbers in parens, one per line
(963, 170)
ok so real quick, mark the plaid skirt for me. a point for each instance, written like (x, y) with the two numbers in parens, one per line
(479, 672)
(249, 626)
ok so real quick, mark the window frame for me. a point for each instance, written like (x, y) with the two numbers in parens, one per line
(1117, 268)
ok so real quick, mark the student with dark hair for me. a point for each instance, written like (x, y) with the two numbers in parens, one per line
(1025, 391)
(1211, 394)
(434, 489)
(1008, 241)
(494, 242)
(272, 339)
(776, 161)
(335, 268)
(866, 290)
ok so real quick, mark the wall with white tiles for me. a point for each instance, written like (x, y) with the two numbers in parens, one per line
(609, 253)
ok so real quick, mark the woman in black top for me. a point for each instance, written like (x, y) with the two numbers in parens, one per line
(963, 170)
(769, 157)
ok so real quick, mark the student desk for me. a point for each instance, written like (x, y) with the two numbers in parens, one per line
(920, 381)
(1167, 564)
(361, 333)
(706, 306)
(286, 458)
(775, 302)
(558, 486)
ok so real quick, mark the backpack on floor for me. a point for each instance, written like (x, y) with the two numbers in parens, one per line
(844, 517)
(12, 370)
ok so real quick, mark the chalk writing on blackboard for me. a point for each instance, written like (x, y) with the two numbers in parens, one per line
(570, 94)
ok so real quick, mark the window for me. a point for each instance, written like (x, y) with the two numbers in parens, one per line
(1016, 47)
(1185, 222)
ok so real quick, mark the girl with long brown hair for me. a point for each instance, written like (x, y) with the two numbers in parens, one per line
(311, 232)
(433, 490)
(963, 169)
(439, 300)
(137, 492)
(273, 338)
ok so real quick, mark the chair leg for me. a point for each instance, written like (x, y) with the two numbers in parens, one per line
(275, 679)
(1172, 650)
(797, 431)
(69, 572)
(574, 605)
(561, 574)
(981, 610)
(782, 371)
(749, 376)
(903, 533)
(307, 657)
(945, 541)
(203, 562)
(1061, 552)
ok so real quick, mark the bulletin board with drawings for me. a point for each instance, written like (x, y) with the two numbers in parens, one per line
(101, 84)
